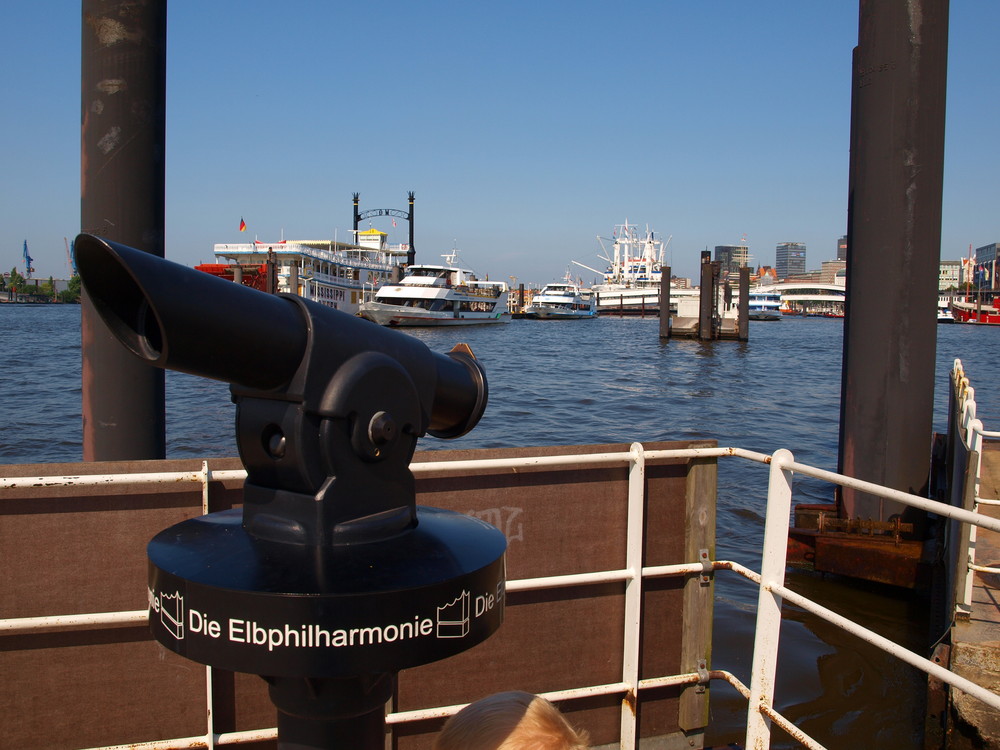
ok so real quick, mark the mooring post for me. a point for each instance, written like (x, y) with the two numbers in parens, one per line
(123, 137)
(743, 309)
(894, 241)
(665, 302)
(706, 298)
(271, 274)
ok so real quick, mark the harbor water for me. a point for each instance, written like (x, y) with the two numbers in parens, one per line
(613, 380)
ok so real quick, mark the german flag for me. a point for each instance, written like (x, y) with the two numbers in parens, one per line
(243, 225)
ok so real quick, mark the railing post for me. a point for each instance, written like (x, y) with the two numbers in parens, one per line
(772, 573)
(965, 549)
(633, 595)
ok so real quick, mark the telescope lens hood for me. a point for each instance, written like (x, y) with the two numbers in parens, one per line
(177, 318)
(118, 298)
(461, 394)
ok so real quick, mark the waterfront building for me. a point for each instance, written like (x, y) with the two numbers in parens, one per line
(984, 272)
(832, 270)
(733, 257)
(765, 275)
(949, 274)
(790, 259)
(680, 283)
(987, 253)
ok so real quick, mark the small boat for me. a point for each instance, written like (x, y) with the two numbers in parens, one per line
(944, 314)
(435, 295)
(985, 313)
(764, 305)
(564, 300)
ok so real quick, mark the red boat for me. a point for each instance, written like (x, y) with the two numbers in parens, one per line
(252, 275)
(987, 313)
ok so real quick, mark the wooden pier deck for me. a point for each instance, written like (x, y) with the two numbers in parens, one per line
(975, 649)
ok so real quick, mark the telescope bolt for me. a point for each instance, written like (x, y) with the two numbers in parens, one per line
(275, 442)
(382, 430)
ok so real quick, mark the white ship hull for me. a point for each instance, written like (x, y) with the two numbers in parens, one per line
(432, 295)
(400, 315)
(562, 301)
(552, 313)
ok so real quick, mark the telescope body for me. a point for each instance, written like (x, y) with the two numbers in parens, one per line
(330, 579)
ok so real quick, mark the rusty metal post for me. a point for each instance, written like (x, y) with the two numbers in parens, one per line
(706, 298)
(894, 238)
(123, 96)
(665, 302)
(271, 274)
(743, 309)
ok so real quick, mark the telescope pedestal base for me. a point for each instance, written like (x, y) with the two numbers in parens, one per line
(331, 714)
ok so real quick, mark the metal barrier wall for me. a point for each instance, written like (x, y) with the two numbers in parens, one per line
(563, 514)
(965, 449)
(772, 593)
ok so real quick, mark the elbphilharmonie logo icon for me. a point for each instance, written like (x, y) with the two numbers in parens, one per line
(172, 614)
(453, 618)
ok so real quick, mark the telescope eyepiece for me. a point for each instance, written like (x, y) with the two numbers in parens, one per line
(149, 336)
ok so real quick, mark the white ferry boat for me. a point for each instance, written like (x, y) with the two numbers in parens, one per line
(631, 282)
(433, 295)
(336, 274)
(812, 298)
(764, 305)
(564, 300)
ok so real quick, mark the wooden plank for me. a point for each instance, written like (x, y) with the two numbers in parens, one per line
(696, 646)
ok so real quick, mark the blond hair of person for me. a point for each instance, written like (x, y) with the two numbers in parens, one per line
(510, 721)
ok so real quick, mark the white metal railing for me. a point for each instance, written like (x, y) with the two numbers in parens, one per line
(970, 431)
(772, 591)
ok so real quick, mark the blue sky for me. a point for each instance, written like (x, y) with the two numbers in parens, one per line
(525, 129)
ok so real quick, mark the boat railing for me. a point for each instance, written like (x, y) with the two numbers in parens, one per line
(966, 427)
(485, 289)
(772, 592)
(354, 258)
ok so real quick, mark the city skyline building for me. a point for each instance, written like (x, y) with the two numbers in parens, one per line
(733, 257)
(790, 259)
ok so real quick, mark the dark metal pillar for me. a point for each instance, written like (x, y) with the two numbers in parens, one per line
(743, 306)
(894, 237)
(706, 298)
(357, 216)
(271, 272)
(665, 302)
(411, 254)
(123, 94)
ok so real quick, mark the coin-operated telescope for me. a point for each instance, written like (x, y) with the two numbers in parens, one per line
(330, 579)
